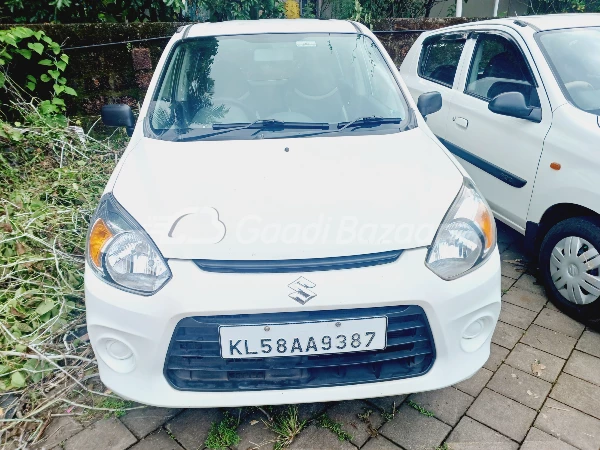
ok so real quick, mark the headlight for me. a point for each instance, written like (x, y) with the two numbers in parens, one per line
(121, 253)
(466, 237)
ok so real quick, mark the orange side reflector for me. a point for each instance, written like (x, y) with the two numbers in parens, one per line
(99, 235)
(555, 166)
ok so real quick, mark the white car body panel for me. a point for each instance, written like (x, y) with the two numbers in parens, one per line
(147, 324)
(264, 189)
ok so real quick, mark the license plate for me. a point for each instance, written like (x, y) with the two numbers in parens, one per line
(303, 338)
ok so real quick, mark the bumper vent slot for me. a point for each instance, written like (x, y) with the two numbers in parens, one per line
(297, 265)
(194, 362)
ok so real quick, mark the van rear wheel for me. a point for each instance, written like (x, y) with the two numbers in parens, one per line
(570, 267)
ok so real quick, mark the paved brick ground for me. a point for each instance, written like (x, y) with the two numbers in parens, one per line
(504, 406)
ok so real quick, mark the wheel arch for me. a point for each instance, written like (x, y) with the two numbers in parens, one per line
(535, 232)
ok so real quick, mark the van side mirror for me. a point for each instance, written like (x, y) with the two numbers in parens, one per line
(429, 103)
(513, 104)
(118, 115)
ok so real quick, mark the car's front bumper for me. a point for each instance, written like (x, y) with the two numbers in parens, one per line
(146, 324)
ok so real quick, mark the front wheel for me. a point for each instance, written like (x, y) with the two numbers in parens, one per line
(570, 268)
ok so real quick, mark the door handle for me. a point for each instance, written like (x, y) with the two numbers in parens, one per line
(461, 122)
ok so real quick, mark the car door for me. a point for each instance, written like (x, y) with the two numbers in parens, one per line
(434, 66)
(501, 153)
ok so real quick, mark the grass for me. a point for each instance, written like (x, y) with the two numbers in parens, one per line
(286, 426)
(324, 421)
(388, 416)
(50, 183)
(223, 434)
(420, 409)
(444, 446)
(118, 406)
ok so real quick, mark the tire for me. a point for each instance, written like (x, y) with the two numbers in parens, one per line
(578, 241)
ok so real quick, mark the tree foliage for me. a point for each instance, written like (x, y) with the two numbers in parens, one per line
(41, 66)
(86, 11)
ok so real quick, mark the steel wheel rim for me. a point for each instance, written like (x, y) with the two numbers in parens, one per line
(574, 267)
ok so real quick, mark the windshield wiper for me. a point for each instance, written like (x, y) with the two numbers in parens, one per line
(368, 122)
(360, 122)
(261, 124)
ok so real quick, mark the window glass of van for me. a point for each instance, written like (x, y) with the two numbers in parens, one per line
(497, 67)
(440, 58)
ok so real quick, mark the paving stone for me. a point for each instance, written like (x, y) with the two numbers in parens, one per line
(157, 441)
(502, 414)
(560, 322)
(143, 421)
(523, 356)
(512, 264)
(191, 427)
(577, 393)
(549, 341)
(506, 283)
(471, 435)
(569, 425)
(106, 434)
(412, 430)
(346, 414)
(516, 316)
(474, 385)
(448, 404)
(380, 443)
(538, 440)
(525, 299)
(584, 366)
(59, 430)
(497, 356)
(387, 404)
(313, 438)
(529, 283)
(254, 433)
(520, 386)
(506, 335)
(589, 342)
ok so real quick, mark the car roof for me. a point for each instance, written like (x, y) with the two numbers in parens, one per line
(546, 22)
(267, 26)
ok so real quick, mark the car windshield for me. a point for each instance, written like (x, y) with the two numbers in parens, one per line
(275, 85)
(574, 55)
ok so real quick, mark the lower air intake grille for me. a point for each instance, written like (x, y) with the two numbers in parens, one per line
(194, 362)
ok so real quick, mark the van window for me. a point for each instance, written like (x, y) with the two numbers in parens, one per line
(440, 58)
(498, 67)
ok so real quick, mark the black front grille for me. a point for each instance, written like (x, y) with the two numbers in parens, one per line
(194, 360)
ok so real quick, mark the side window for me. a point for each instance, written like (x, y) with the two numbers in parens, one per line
(498, 67)
(440, 57)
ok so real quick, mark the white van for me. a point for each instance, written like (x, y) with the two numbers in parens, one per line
(284, 228)
(521, 111)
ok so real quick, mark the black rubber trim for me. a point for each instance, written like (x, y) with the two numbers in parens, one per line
(297, 265)
(531, 235)
(492, 169)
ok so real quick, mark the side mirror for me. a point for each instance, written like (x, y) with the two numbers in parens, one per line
(429, 103)
(118, 115)
(513, 104)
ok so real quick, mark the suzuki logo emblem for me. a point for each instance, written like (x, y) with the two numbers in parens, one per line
(302, 292)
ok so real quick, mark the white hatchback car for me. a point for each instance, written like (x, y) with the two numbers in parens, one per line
(521, 111)
(284, 228)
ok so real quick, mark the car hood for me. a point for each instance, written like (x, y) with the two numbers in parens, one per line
(273, 199)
